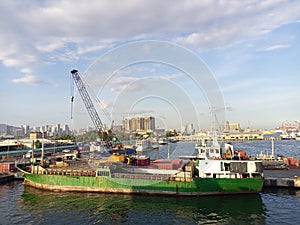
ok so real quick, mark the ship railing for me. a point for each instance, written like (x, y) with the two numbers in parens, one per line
(66, 172)
(142, 176)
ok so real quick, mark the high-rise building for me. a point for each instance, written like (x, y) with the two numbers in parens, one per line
(8, 130)
(66, 129)
(3, 129)
(25, 129)
(149, 123)
(126, 125)
(139, 124)
(226, 126)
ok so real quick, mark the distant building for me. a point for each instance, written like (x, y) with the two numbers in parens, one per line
(4, 130)
(238, 136)
(138, 124)
(234, 127)
(149, 123)
(7, 130)
(189, 129)
(66, 129)
(25, 129)
(126, 125)
(226, 127)
(18, 132)
(35, 135)
(186, 129)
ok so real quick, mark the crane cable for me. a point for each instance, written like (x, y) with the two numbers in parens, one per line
(72, 106)
(94, 96)
(72, 95)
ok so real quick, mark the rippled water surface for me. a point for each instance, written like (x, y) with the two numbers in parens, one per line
(19, 205)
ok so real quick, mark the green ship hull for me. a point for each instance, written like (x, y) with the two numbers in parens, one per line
(194, 187)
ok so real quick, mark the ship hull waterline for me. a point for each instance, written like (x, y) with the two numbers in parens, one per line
(196, 187)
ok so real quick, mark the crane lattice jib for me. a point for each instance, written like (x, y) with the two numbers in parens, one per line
(87, 101)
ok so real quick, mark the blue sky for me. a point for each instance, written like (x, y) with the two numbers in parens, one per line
(252, 49)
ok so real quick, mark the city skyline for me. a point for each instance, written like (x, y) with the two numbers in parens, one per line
(250, 49)
(135, 124)
(7, 130)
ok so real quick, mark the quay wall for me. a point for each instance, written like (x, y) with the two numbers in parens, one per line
(282, 182)
(282, 178)
(4, 178)
(194, 138)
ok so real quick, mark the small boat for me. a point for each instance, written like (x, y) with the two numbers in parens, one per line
(154, 143)
(143, 145)
(99, 146)
(162, 141)
(272, 162)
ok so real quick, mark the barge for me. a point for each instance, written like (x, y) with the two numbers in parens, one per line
(207, 173)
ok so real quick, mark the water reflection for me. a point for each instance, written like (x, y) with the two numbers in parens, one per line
(67, 208)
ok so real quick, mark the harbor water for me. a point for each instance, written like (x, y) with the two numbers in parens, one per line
(26, 205)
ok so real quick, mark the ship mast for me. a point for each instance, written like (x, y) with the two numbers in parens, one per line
(214, 135)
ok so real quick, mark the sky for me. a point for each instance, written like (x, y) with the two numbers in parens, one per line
(174, 60)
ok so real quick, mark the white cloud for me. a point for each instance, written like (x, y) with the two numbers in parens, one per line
(63, 31)
(51, 25)
(93, 47)
(26, 70)
(50, 46)
(15, 57)
(275, 47)
(28, 79)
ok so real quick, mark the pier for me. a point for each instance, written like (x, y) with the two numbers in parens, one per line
(6, 177)
(282, 178)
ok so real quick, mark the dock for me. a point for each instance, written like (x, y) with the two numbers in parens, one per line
(282, 178)
(5, 177)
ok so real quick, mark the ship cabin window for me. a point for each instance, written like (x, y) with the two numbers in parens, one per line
(103, 173)
(59, 159)
(214, 151)
(227, 166)
(207, 152)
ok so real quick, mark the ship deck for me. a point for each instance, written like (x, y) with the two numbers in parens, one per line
(117, 170)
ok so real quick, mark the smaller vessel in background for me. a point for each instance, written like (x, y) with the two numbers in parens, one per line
(154, 143)
(143, 145)
(99, 146)
(272, 162)
(162, 141)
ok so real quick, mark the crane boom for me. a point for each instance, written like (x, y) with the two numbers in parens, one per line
(88, 103)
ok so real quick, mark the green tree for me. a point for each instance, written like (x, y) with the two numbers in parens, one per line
(38, 144)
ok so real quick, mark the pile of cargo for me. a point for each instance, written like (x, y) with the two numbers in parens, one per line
(291, 162)
(167, 164)
(6, 171)
(8, 167)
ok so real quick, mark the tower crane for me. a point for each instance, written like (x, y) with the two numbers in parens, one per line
(90, 107)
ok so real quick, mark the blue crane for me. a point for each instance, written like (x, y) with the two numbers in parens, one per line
(89, 106)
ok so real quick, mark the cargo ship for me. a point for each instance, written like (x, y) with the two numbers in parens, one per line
(207, 173)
